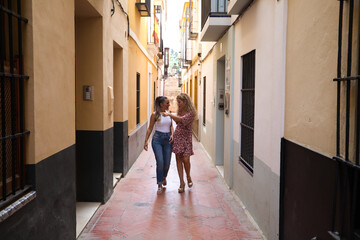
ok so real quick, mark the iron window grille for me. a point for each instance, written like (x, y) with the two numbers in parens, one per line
(346, 211)
(154, 97)
(204, 102)
(12, 163)
(247, 111)
(137, 98)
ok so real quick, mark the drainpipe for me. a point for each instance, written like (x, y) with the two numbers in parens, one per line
(232, 107)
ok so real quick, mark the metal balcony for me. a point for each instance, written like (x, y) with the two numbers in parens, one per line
(215, 27)
(193, 34)
(215, 20)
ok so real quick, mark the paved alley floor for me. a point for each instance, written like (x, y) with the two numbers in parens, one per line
(207, 211)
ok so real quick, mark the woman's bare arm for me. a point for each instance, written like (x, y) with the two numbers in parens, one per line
(174, 117)
(172, 133)
(149, 130)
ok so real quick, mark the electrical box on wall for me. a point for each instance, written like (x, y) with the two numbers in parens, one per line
(88, 93)
(221, 97)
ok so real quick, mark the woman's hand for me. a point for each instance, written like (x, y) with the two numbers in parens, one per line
(171, 138)
(145, 146)
(165, 114)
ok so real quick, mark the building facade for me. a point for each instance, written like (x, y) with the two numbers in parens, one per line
(145, 68)
(77, 83)
(320, 148)
(270, 74)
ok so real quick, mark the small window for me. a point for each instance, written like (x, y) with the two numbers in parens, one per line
(154, 94)
(137, 98)
(12, 127)
(191, 87)
(196, 83)
(204, 102)
(247, 111)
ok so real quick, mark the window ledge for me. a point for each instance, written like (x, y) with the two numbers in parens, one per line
(247, 168)
(17, 205)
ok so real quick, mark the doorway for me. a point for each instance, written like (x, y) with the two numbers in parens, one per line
(220, 97)
(88, 71)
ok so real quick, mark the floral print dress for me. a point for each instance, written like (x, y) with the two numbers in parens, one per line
(182, 144)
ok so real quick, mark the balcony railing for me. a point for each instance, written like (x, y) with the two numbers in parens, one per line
(214, 20)
(193, 20)
(212, 7)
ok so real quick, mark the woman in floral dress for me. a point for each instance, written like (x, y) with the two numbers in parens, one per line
(182, 145)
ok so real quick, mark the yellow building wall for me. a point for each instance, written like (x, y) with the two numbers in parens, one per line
(89, 71)
(139, 25)
(191, 87)
(49, 53)
(311, 63)
(138, 63)
(53, 111)
(153, 80)
(115, 36)
(101, 62)
(196, 89)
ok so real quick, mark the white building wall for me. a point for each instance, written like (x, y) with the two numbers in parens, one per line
(207, 132)
(262, 28)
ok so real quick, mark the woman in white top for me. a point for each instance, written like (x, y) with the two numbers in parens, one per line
(161, 140)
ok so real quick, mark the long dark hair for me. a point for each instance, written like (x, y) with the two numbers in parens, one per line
(158, 101)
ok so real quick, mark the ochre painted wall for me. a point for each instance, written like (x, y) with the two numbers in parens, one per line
(119, 70)
(89, 71)
(104, 66)
(50, 98)
(138, 63)
(139, 25)
(311, 63)
(49, 60)
(115, 35)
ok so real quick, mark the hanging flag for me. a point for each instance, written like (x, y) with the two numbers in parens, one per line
(156, 30)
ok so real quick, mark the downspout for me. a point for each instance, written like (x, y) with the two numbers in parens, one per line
(232, 107)
(122, 9)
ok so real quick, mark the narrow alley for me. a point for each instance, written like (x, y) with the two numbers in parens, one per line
(273, 92)
(209, 210)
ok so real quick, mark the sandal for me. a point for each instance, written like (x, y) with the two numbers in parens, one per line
(164, 182)
(190, 183)
(160, 190)
(181, 189)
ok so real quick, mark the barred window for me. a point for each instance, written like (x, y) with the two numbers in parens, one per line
(247, 111)
(137, 98)
(345, 223)
(12, 163)
(204, 102)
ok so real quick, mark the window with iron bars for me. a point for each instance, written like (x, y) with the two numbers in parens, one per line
(346, 201)
(137, 98)
(12, 159)
(204, 102)
(247, 111)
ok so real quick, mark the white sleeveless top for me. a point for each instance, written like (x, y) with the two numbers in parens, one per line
(163, 125)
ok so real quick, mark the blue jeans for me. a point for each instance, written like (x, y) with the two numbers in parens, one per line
(162, 149)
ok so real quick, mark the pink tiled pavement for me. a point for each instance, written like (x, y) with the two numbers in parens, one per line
(206, 211)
